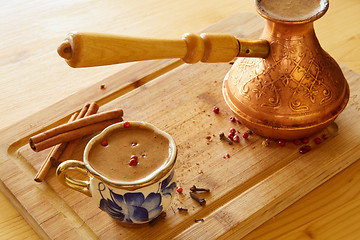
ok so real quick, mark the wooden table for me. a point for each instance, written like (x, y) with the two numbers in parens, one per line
(33, 78)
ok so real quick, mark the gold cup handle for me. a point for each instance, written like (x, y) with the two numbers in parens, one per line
(78, 185)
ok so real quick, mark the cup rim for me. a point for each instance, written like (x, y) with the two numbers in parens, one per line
(154, 177)
(323, 7)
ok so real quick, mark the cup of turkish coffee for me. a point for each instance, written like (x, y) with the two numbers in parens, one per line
(130, 171)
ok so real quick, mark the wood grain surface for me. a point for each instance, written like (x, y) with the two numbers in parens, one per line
(34, 77)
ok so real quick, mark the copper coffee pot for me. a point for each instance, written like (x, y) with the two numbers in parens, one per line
(284, 86)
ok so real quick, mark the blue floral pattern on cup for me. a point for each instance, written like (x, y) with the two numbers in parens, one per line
(134, 207)
(167, 187)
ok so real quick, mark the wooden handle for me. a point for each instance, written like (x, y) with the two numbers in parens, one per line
(94, 49)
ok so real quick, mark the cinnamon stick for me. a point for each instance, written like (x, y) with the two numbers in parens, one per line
(54, 152)
(64, 146)
(59, 150)
(71, 146)
(76, 129)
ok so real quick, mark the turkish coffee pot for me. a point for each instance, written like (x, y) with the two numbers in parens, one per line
(283, 86)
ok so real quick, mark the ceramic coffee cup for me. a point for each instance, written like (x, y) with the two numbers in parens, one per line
(134, 201)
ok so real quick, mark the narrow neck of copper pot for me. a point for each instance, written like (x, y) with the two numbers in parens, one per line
(284, 32)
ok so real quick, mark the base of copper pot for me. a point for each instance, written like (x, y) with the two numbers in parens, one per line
(287, 132)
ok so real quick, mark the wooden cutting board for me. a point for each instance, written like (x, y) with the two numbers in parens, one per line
(248, 188)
